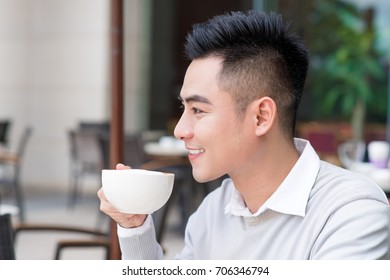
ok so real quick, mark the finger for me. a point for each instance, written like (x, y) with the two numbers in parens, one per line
(121, 166)
(101, 194)
(107, 207)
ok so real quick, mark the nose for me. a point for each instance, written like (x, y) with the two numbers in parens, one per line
(183, 129)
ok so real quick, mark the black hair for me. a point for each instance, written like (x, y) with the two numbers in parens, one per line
(260, 56)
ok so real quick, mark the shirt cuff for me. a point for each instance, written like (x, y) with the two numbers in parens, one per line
(130, 232)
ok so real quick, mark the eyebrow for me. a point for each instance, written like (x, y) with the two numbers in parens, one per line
(195, 98)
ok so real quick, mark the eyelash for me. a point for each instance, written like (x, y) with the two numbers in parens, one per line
(193, 109)
(196, 110)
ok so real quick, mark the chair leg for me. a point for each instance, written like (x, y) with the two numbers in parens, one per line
(74, 187)
(19, 198)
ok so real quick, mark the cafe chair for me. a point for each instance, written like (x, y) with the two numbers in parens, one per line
(86, 160)
(97, 127)
(11, 167)
(4, 132)
(7, 250)
(134, 154)
(102, 131)
(79, 237)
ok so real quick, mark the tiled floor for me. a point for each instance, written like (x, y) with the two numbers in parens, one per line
(43, 206)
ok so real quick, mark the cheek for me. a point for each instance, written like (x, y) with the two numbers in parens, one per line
(221, 136)
(212, 128)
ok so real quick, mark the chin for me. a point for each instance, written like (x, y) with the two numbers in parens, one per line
(200, 178)
(203, 178)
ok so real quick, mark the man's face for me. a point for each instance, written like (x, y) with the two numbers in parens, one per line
(214, 135)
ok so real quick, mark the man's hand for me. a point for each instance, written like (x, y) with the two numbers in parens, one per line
(123, 219)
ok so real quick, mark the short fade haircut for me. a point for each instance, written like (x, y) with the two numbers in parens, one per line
(260, 57)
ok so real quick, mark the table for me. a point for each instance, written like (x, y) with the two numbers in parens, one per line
(166, 148)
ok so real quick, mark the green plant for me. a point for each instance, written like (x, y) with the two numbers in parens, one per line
(346, 74)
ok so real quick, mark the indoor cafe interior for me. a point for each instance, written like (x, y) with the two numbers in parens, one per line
(86, 84)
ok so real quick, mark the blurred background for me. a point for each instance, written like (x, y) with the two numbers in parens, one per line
(55, 73)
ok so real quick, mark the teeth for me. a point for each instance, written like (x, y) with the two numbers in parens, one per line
(196, 152)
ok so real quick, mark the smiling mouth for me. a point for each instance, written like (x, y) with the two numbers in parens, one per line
(196, 152)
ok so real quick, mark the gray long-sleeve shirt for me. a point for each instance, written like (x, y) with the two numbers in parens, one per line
(320, 211)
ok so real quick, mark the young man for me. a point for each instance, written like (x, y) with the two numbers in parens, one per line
(240, 96)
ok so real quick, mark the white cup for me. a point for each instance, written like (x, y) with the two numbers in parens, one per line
(137, 191)
(378, 153)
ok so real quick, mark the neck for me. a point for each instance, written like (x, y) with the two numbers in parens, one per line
(263, 175)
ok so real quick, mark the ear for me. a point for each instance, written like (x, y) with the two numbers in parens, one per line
(265, 115)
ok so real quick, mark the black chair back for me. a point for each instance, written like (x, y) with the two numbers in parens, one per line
(4, 129)
(7, 251)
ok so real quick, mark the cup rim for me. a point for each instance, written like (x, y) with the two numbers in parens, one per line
(138, 171)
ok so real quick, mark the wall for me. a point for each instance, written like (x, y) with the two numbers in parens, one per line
(54, 72)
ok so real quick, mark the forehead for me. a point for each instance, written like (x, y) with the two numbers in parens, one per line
(201, 78)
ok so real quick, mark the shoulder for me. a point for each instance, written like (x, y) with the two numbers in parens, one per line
(337, 189)
(351, 213)
(336, 186)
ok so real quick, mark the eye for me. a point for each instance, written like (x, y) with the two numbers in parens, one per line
(196, 110)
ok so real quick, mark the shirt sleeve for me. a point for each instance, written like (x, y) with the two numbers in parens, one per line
(139, 243)
(358, 230)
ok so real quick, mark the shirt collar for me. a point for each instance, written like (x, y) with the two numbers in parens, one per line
(292, 195)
